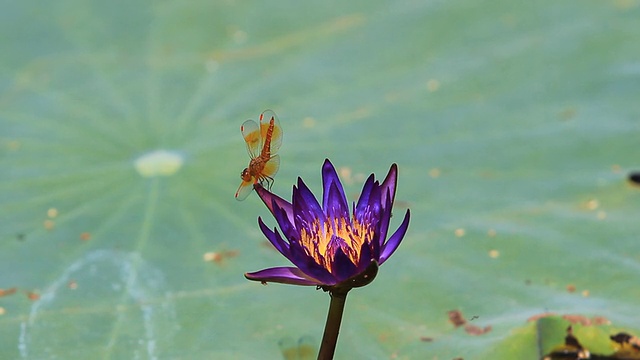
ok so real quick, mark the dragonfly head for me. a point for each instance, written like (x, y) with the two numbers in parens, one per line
(245, 175)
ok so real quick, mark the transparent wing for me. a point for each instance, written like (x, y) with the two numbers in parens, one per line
(271, 167)
(251, 133)
(244, 190)
(276, 133)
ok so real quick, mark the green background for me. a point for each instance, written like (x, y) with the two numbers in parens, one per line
(514, 123)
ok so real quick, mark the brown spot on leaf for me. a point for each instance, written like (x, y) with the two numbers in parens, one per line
(456, 318)
(219, 257)
(435, 173)
(33, 296)
(476, 330)
(568, 113)
(601, 320)
(49, 224)
(211, 256)
(616, 169)
(577, 319)
(7, 292)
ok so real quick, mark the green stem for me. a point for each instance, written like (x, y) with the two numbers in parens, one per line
(332, 327)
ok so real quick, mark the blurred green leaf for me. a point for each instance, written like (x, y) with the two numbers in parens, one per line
(513, 125)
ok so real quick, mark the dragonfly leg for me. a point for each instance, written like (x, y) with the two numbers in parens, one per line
(267, 182)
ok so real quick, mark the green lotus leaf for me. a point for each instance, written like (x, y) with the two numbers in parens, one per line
(514, 127)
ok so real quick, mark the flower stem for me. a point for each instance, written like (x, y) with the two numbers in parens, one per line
(332, 327)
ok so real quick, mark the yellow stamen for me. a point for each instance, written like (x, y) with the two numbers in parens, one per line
(316, 240)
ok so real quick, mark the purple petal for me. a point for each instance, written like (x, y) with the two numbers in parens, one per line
(365, 194)
(334, 201)
(283, 275)
(389, 184)
(275, 238)
(308, 265)
(335, 208)
(392, 244)
(372, 209)
(343, 267)
(269, 199)
(287, 227)
(305, 206)
(385, 218)
(368, 252)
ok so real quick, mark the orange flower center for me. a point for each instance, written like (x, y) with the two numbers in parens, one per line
(321, 241)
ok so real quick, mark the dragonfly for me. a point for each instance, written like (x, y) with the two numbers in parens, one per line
(263, 142)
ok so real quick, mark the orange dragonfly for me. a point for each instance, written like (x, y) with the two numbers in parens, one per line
(263, 141)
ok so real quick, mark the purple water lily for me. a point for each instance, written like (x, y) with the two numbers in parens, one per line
(327, 245)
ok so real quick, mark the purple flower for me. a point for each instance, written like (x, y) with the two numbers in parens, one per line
(329, 246)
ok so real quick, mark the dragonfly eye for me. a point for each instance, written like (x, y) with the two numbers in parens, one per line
(245, 174)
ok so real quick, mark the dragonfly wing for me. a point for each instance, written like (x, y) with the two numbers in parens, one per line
(244, 190)
(276, 133)
(271, 167)
(251, 133)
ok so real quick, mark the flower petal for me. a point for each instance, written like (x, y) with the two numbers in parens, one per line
(334, 201)
(275, 238)
(283, 275)
(365, 194)
(372, 208)
(343, 268)
(308, 264)
(269, 198)
(362, 278)
(385, 219)
(368, 252)
(389, 184)
(281, 216)
(392, 244)
(306, 208)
